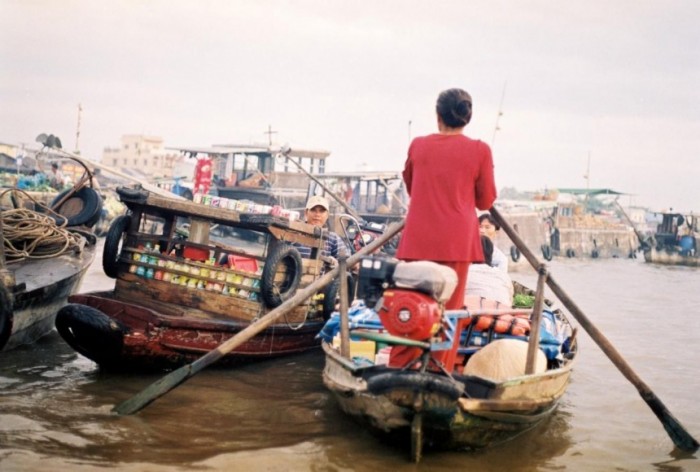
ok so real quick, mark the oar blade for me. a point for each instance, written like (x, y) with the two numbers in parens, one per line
(153, 391)
(678, 434)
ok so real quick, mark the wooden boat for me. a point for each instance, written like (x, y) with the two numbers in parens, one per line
(432, 401)
(675, 241)
(189, 276)
(43, 259)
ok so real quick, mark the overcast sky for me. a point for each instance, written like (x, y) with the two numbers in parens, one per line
(614, 80)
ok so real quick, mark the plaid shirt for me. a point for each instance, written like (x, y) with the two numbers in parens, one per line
(334, 247)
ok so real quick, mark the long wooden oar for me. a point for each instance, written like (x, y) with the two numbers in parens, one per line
(176, 377)
(680, 437)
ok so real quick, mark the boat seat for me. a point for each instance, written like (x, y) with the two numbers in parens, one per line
(428, 277)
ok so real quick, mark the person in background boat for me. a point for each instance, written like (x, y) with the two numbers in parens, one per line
(254, 179)
(489, 227)
(487, 281)
(316, 213)
(448, 176)
(56, 178)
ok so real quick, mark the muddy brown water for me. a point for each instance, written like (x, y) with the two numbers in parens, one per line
(276, 415)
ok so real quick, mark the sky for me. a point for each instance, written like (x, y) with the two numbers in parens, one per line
(561, 89)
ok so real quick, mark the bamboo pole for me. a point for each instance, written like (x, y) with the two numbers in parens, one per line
(344, 321)
(534, 341)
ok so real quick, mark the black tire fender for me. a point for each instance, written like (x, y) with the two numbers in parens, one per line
(110, 254)
(514, 253)
(6, 317)
(91, 333)
(417, 381)
(87, 211)
(273, 294)
(547, 252)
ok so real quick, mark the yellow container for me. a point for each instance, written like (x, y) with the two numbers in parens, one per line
(366, 349)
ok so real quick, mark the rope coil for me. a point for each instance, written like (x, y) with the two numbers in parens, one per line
(28, 234)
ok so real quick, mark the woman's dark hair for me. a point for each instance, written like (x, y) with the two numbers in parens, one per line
(487, 247)
(454, 106)
(487, 216)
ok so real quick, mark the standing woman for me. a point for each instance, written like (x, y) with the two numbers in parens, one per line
(448, 176)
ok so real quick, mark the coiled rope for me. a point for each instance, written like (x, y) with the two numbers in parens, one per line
(28, 234)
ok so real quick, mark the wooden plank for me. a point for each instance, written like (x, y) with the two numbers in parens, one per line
(527, 404)
(292, 237)
(221, 214)
(133, 287)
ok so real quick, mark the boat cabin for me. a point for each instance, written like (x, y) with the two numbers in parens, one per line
(258, 173)
(379, 197)
(212, 260)
(676, 229)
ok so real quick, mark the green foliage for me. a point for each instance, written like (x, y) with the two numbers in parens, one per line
(521, 300)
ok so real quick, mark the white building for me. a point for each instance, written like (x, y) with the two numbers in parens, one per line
(145, 154)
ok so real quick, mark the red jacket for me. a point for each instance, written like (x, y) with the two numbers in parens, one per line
(447, 177)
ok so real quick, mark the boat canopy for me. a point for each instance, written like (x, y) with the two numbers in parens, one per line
(590, 191)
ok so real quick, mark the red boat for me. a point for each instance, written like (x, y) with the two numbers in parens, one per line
(190, 275)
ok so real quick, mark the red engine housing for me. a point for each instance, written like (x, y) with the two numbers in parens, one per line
(409, 314)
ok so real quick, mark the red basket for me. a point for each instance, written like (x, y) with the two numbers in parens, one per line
(196, 254)
(245, 264)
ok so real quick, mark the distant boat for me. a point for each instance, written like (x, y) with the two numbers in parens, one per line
(574, 230)
(257, 173)
(675, 241)
(41, 268)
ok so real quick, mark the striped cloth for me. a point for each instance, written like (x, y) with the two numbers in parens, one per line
(334, 247)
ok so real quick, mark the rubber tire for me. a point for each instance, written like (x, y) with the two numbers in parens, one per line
(5, 315)
(595, 254)
(330, 295)
(514, 253)
(88, 214)
(547, 252)
(110, 254)
(272, 295)
(570, 253)
(91, 333)
(418, 381)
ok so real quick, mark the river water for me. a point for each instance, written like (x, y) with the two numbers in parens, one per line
(277, 416)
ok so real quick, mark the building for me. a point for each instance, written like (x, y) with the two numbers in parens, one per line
(144, 153)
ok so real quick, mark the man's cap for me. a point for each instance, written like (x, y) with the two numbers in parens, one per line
(317, 200)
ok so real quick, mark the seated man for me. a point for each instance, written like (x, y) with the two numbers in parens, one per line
(316, 213)
(489, 282)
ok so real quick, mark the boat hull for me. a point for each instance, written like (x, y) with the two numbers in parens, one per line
(42, 287)
(671, 257)
(120, 335)
(488, 414)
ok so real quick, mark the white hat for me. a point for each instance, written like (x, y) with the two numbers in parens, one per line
(317, 200)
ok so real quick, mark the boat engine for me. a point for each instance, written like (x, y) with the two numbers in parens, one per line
(404, 311)
(410, 314)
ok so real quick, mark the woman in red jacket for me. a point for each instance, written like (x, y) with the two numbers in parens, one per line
(448, 176)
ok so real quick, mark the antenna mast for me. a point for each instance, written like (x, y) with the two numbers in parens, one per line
(77, 130)
(498, 117)
(269, 134)
(587, 175)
